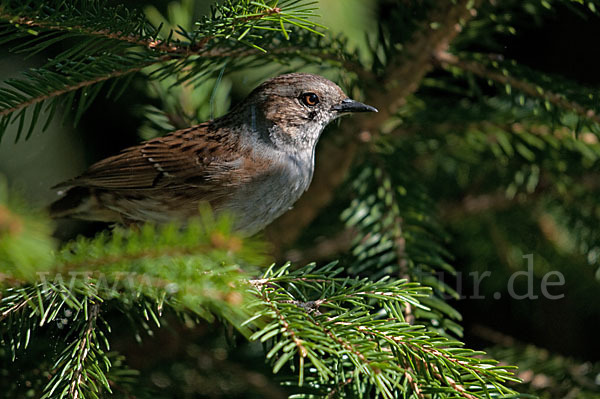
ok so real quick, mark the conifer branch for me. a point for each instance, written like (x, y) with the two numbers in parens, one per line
(444, 58)
(152, 43)
(90, 62)
(218, 242)
(25, 23)
(341, 327)
(77, 86)
(395, 228)
(458, 388)
(83, 350)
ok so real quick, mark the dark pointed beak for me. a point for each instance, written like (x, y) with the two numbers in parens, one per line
(349, 105)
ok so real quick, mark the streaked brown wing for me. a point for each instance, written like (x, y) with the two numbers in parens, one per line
(188, 157)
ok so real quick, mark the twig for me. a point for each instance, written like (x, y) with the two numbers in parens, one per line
(83, 350)
(413, 384)
(163, 46)
(80, 85)
(460, 389)
(339, 386)
(259, 283)
(14, 309)
(286, 326)
(29, 23)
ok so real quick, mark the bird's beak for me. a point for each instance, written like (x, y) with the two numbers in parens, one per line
(349, 105)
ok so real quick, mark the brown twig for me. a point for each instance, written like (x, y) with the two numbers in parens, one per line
(414, 385)
(105, 33)
(286, 326)
(13, 309)
(164, 46)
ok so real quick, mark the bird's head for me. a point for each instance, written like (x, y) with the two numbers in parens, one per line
(293, 109)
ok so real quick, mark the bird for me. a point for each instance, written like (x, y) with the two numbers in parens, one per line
(254, 162)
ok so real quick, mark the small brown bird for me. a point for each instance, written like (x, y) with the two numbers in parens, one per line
(255, 162)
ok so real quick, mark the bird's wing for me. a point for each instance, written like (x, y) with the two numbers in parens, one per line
(198, 156)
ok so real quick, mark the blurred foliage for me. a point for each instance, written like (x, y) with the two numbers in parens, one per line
(25, 243)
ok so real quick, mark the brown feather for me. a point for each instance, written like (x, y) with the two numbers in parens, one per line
(167, 161)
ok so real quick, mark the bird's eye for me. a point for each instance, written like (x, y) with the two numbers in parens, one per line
(310, 99)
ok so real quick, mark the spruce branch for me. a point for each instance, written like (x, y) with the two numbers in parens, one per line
(396, 234)
(81, 365)
(152, 42)
(139, 272)
(112, 43)
(76, 86)
(96, 19)
(329, 326)
(83, 351)
(446, 59)
(444, 379)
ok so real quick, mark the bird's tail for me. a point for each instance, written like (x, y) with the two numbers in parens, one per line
(82, 203)
(74, 202)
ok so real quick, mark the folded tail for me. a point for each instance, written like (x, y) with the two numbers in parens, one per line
(81, 203)
(73, 202)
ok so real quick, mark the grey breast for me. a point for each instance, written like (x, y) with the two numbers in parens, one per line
(270, 194)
